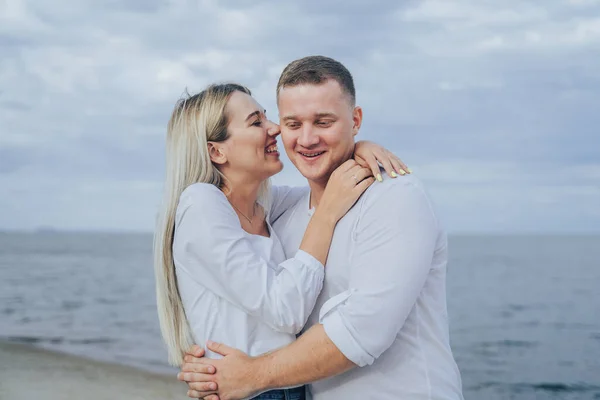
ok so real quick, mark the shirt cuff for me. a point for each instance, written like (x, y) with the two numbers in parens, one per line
(309, 261)
(340, 336)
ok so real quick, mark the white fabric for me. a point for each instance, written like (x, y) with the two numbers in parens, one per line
(238, 288)
(383, 301)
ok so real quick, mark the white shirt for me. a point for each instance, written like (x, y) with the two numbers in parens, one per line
(383, 301)
(238, 288)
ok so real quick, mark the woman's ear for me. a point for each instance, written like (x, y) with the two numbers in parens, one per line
(217, 155)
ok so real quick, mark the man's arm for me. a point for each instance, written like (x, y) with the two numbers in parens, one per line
(238, 376)
(310, 358)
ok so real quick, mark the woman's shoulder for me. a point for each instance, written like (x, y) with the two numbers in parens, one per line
(203, 194)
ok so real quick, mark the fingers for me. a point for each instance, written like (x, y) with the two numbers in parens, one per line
(386, 162)
(364, 185)
(391, 164)
(220, 348)
(347, 165)
(203, 387)
(212, 397)
(188, 358)
(200, 367)
(196, 351)
(357, 174)
(374, 167)
(197, 376)
(399, 166)
(194, 394)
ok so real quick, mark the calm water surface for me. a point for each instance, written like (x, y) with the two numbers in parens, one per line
(524, 310)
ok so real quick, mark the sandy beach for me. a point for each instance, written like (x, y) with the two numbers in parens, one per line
(28, 373)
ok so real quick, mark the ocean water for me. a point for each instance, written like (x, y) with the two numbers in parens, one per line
(524, 310)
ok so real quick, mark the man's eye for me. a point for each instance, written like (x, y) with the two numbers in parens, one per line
(323, 123)
(293, 125)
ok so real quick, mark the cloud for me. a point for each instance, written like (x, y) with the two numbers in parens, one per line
(493, 104)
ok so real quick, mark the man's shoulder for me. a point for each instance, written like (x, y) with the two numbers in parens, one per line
(401, 200)
(395, 189)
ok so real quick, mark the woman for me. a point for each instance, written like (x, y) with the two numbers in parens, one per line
(220, 269)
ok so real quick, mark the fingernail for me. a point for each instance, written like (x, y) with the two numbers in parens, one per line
(209, 343)
(211, 369)
(394, 174)
(179, 376)
(213, 386)
(402, 172)
(409, 170)
(379, 178)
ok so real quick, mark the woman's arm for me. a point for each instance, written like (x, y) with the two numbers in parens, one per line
(213, 249)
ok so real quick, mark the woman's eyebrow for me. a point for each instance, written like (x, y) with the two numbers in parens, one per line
(257, 113)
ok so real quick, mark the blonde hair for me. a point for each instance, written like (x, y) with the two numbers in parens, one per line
(195, 121)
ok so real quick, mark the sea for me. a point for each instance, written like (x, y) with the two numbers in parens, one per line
(524, 310)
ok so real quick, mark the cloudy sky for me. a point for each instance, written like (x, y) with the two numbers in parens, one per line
(490, 102)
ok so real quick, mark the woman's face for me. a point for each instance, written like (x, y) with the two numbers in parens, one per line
(251, 149)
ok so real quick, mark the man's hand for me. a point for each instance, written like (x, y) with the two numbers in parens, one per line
(233, 376)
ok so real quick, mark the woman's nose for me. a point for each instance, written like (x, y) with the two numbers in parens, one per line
(273, 129)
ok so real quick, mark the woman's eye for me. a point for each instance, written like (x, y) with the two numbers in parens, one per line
(257, 123)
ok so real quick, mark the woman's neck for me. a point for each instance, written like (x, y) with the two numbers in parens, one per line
(243, 195)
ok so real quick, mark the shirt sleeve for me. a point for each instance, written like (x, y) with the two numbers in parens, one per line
(284, 197)
(394, 244)
(212, 248)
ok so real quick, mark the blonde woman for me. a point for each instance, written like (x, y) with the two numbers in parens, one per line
(221, 272)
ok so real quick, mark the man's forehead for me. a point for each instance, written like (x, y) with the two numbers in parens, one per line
(330, 86)
(308, 115)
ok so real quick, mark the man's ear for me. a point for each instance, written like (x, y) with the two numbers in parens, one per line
(357, 116)
(217, 155)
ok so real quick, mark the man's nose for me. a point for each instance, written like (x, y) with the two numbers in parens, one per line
(273, 129)
(307, 137)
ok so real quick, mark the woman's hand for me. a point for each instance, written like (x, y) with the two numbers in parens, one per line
(370, 155)
(346, 184)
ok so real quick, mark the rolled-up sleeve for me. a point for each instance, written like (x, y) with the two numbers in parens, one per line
(212, 248)
(394, 243)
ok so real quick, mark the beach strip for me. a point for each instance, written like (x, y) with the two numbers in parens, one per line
(27, 372)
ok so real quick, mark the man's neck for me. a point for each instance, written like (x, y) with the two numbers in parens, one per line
(316, 192)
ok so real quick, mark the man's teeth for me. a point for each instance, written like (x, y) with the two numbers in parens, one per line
(312, 154)
(272, 149)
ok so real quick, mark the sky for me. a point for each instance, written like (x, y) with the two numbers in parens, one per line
(489, 102)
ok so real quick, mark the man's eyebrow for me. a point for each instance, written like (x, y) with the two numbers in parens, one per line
(317, 115)
(257, 113)
(325, 115)
(289, 117)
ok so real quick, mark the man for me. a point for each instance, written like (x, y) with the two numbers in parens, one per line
(380, 327)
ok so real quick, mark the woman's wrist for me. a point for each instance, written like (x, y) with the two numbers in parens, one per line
(325, 217)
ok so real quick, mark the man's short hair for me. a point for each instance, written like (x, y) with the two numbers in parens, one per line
(315, 70)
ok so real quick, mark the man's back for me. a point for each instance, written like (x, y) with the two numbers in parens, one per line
(384, 298)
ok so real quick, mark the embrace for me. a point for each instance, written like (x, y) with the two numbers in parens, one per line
(332, 291)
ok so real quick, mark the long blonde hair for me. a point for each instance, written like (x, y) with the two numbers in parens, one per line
(195, 121)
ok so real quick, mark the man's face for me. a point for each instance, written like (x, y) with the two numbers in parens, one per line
(318, 125)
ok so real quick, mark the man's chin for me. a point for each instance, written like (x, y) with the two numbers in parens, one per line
(312, 174)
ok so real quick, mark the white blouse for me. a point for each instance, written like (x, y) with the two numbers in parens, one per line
(238, 288)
